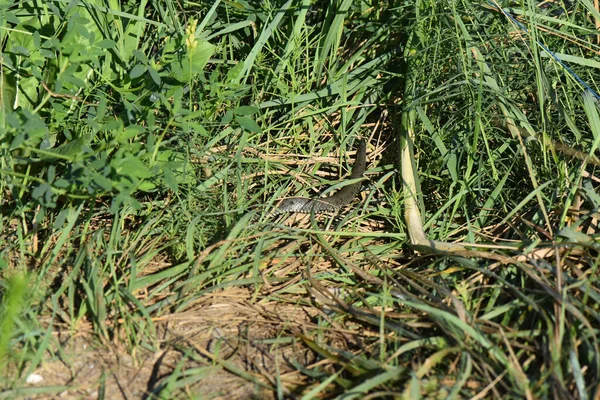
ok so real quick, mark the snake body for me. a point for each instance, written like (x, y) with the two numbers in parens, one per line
(334, 202)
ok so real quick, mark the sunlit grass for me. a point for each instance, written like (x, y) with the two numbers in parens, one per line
(152, 141)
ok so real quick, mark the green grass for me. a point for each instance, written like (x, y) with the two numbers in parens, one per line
(144, 145)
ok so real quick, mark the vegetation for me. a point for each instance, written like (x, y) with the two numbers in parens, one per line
(145, 144)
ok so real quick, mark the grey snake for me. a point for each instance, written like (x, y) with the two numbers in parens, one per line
(334, 202)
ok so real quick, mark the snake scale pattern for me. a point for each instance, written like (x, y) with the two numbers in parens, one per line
(334, 202)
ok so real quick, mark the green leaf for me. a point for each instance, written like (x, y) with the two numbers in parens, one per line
(62, 183)
(103, 182)
(106, 44)
(245, 110)
(17, 141)
(141, 57)
(200, 54)
(76, 81)
(132, 166)
(21, 50)
(9, 88)
(71, 149)
(227, 117)
(36, 39)
(234, 73)
(10, 17)
(170, 179)
(138, 71)
(14, 299)
(147, 186)
(248, 124)
(573, 236)
(154, 75)
(47, 54)
(131, 131)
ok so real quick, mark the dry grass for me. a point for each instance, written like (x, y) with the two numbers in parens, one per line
(140, 258)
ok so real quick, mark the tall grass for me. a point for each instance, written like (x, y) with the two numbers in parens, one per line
(144, 146)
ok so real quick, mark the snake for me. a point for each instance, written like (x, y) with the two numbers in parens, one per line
(334, 202)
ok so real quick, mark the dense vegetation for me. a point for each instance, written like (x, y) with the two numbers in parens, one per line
(145, 144)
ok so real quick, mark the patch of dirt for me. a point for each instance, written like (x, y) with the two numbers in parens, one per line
(222, 347)
(90, 369)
